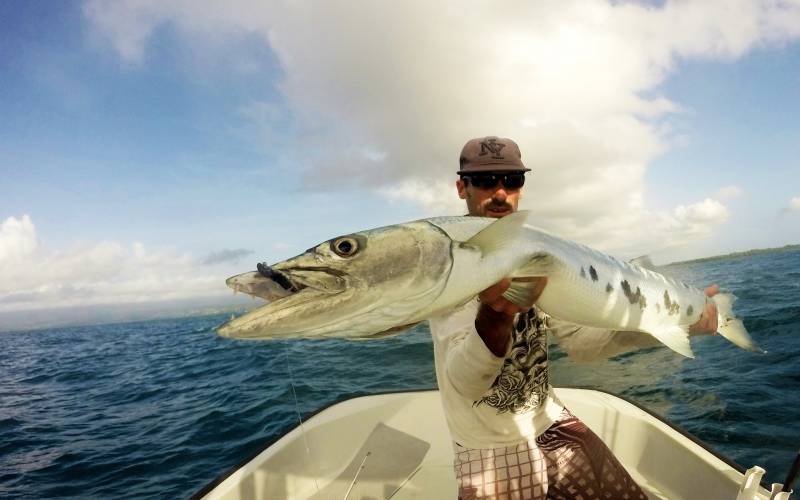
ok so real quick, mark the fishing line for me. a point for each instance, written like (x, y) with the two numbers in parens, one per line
(297, 409)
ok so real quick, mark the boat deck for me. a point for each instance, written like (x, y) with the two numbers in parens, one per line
(398, 446)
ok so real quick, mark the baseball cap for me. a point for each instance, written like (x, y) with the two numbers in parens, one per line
(491, 154)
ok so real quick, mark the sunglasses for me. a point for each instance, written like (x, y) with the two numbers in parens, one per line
(511, 181)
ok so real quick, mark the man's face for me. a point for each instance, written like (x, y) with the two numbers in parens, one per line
(496, 202)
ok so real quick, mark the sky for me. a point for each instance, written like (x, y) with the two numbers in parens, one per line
(150, 149)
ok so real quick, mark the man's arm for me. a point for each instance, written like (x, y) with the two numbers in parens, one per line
(462, 358)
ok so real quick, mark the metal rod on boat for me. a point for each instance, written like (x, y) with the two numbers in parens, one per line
(353, 482)
(404, 482)
(793, 471)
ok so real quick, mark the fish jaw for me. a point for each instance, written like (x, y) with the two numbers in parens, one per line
(397, 272)
(289, 287)
(256, 284)
(285, 317)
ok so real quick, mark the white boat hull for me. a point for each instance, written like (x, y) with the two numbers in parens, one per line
(326, 457)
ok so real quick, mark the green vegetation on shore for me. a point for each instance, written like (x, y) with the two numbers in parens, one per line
(747, 253)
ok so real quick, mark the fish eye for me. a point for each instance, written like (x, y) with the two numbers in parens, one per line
(344, 247)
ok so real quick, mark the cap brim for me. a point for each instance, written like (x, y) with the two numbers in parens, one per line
(492, 168)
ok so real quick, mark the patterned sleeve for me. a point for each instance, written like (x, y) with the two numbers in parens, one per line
(583, 343)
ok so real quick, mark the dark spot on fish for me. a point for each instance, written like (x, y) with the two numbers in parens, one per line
(670, 306)
(583, 272)
(609, 288)
(593, 273)
(633, 298)
(642, 300)
(689, 310)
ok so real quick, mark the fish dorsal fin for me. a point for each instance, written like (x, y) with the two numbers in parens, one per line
(643, 261)
(499, 234)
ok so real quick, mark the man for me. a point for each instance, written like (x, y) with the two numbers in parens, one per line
(512, 437)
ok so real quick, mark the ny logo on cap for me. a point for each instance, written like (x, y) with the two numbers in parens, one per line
(492, 146)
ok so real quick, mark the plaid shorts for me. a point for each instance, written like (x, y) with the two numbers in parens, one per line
(568, 461)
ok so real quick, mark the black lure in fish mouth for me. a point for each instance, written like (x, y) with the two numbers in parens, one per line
(283, 280)
(278, 277)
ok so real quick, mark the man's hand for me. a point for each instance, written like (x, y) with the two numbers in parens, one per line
(496, 314)
(708, 320)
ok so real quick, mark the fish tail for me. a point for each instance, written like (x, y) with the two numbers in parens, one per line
(731, 327)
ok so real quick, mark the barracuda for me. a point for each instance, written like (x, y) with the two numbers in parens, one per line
(377, 282)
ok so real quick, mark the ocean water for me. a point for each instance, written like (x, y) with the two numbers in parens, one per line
(158, 409)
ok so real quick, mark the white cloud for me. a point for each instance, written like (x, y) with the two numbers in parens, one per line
(729, 192)
(17, 239)
(130, 37)
(437, 197)
(794, 203)
(707, 211)
(384, 94)
(33, 277)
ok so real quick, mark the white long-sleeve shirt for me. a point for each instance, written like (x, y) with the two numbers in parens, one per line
(492, 401)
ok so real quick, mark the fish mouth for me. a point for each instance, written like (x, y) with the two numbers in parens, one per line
(286, 289)
(273, 283)
(257, 285)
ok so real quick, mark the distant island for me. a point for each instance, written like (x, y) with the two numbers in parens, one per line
(748, 253)
(103, 314)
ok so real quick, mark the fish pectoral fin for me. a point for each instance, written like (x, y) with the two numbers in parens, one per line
(525, 280)
(521, 293)
(499, 234)
(674, 337)
(540, 264)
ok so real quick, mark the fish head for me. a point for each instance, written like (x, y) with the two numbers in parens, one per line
(357, 285)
